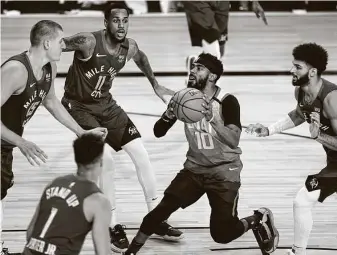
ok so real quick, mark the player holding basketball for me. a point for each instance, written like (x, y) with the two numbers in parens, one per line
(316, 104)
(98, 57)
(212, 166)
(71, 206)
(27, 80)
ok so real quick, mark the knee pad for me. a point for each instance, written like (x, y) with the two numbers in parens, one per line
(226, 231)
(312, 183)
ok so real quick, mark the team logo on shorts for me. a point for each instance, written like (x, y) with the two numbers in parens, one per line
(121, 58)
(133, 130)
(313, 183)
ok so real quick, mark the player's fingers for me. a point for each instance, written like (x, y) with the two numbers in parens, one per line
(264, 18)
(32, 157)
(30, 160)
(206, 106)
(41, 152)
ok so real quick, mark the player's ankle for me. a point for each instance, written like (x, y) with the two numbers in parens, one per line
(250, 222)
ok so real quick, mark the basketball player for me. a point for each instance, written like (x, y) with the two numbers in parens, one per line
(26, 82)
(98, 57)
(208, 25)
(71, 206)
(316, 104)
(212, 166)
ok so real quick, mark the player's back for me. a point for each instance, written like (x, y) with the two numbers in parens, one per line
(61, 225)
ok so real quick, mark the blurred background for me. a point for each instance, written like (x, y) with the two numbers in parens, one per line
(140, 6)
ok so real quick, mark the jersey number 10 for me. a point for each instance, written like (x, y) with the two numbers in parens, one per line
(204, 140)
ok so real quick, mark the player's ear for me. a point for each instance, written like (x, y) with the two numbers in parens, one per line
(212, 77)
(46, 44)
(105, 23)
(313, 72)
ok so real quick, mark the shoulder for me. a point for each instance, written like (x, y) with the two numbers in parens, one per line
(94, 204)
(330, 101)
(230, 101)
(132, 43)
(14, 72)
(133, 48)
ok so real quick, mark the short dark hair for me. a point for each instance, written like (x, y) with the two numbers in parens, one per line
(88, 148)
(313, 54)
(212, 63)
(43, 29)
(113, 6)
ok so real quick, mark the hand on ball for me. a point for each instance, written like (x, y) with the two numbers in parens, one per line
(207, 108)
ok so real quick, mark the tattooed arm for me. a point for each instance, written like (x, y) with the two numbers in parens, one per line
(330, 108)
(143, 63)
(82, 43)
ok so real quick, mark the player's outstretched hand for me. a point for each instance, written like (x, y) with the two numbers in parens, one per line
(32, 152)
(99, 131)
(208, 108)
(259, 12)
(162, 91)
(257, 129)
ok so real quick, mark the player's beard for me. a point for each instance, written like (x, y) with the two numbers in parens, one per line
(197, 83)
(304, 80)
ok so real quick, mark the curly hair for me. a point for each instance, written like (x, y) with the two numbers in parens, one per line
(312, 54)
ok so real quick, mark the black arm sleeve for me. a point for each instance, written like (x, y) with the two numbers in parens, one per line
(163, 125)
(231, 111)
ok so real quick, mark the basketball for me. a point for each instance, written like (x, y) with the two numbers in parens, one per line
(187, 105)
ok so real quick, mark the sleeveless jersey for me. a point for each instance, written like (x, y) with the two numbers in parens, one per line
(317, 106)
(19, 109)
(206, 149)
(91, 80)
(61, 226)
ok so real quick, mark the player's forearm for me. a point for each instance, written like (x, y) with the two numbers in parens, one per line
(292, 120)
(56, 109)
(328, 141)
(230, 136)
(80, 42)
(9, 136)
(144, 65)
(163, 125)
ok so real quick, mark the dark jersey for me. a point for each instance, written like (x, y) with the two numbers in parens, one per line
(317, 106)
(61, 226)
(90, 80)
(19, 109)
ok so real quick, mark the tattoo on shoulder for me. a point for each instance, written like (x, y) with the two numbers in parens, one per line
(78, 42)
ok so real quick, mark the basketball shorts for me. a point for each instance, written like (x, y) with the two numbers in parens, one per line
(7, 175)
(325, 181)
(207, 20)
(187, 187)
(121, 129)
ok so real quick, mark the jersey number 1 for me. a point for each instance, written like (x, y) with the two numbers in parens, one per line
(49, 221)
(204, 141)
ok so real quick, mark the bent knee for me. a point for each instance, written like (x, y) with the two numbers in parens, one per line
(225, 232)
